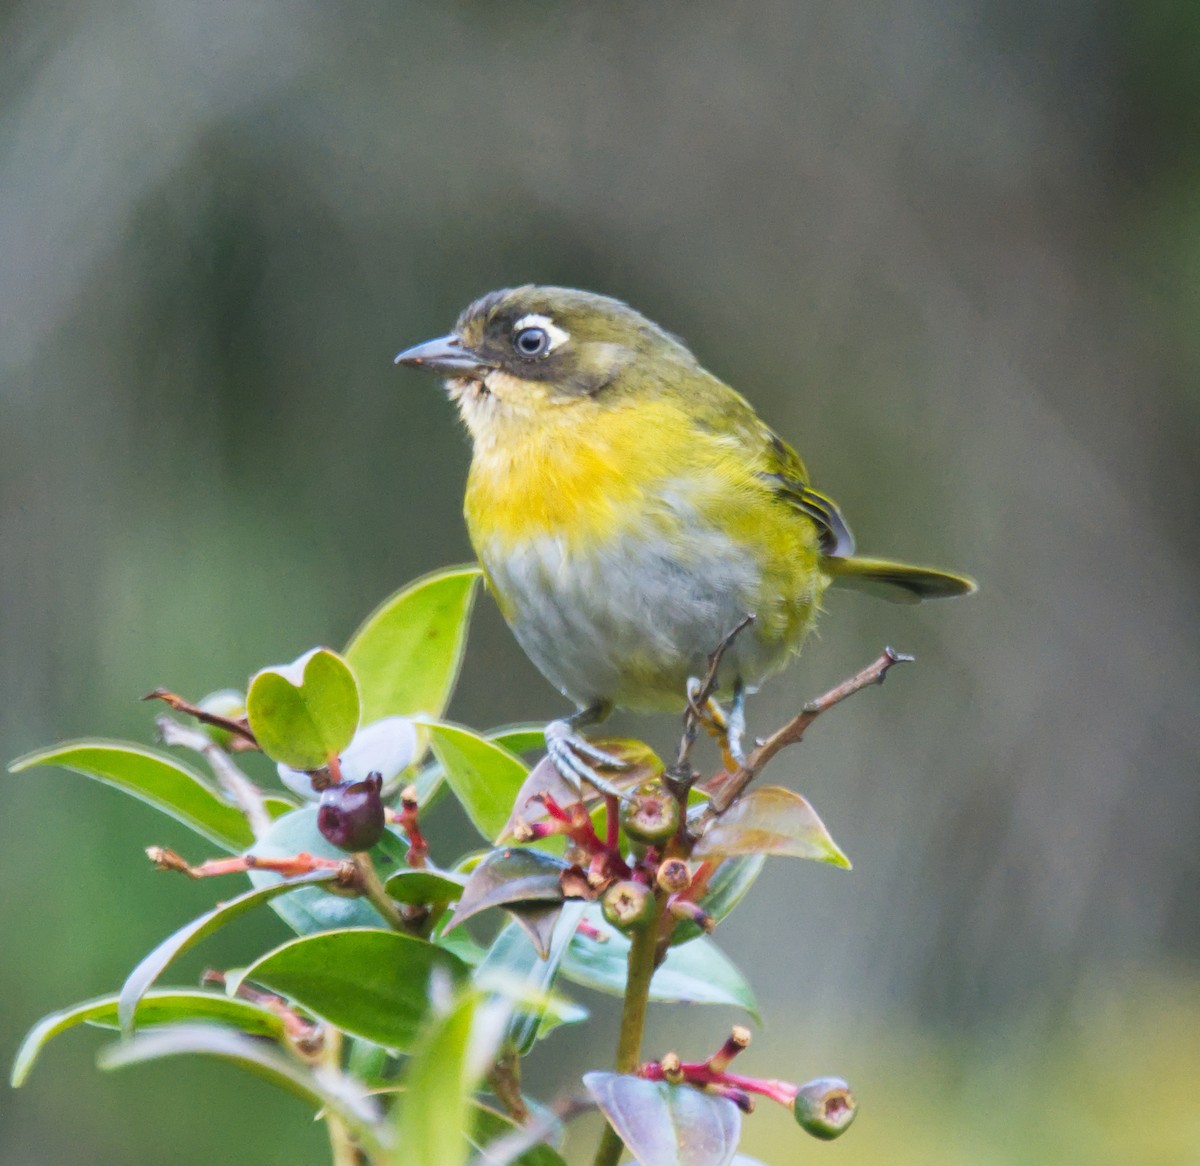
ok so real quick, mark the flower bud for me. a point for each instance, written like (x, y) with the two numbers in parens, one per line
(825, 1107)
(651, 816)
(673, 876)
(350, 815)
(628, 905)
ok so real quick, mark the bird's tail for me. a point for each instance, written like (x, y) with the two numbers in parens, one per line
(896, 582)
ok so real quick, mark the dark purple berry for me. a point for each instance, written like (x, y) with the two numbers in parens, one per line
(350, 815)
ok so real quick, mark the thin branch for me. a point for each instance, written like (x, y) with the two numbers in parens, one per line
(375, 892)
(238, 727)
(341, 1143)
(643, 959)
(681, 774)
(733, 787)
(238, 787)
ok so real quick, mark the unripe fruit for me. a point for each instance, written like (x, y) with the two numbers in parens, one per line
(651, 816)
(350, 815)
(628, 905)
(825, 1107)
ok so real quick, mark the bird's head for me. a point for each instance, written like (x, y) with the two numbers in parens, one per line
(516, 353)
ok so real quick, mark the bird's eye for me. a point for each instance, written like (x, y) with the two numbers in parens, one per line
(531, 342)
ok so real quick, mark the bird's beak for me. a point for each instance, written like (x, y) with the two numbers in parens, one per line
(445, 354)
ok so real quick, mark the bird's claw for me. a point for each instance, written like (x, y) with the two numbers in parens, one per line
(574, 756)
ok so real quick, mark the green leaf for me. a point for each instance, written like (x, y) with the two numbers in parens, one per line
(512, 875)
(491, 1126)
(372, 983)
(516, 739)
(454, 1053)
(305, 712)
(424, 888)
(162, 1007)
(771, 820)
(667, 1125)
(330, 1089)
(484, 776)
(513, 955)
(407, 654)
(697, 972)
(726, 889)
(188, 936)
(312, 909)
(522, 738)
(153, 778)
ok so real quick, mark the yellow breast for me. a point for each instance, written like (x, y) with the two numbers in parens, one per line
(579, 472)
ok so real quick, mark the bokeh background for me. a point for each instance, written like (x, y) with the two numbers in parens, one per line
(950, 250)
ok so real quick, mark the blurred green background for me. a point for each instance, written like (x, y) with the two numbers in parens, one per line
(950, 250)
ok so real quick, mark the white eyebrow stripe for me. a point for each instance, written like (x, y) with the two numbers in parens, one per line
(557, 336)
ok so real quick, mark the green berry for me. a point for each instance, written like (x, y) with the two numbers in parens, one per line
(825, 1107)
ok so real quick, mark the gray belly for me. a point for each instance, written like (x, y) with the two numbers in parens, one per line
(627, 625)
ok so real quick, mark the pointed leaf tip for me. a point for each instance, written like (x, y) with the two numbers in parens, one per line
(408, 652)
(771, 820)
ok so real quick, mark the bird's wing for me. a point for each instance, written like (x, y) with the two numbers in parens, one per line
(788, 478)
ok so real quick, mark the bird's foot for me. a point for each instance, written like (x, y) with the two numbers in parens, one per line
(574, 756)
(729, 729)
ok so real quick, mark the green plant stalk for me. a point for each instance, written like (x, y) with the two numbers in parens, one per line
(345, 1153)
(376, 893)
(643, 959)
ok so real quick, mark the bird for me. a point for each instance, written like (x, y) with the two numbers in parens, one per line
(629, 510)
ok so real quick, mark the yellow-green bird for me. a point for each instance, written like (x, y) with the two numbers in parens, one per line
(629, 509)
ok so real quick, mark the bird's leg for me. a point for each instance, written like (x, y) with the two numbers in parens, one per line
(728, 728)
(573, 755)
(737, 723)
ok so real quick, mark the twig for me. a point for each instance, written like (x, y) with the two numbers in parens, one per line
(376, 893)
(238, 728)
(341, 1143)
(240, 789)
(792, 732)
(505, 1080)
(643, 959)
(680, 777)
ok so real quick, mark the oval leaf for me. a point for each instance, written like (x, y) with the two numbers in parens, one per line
(697, 972)
(455, 1051)
(512, 955)
(667, 1125)
(329, 1090)
(771, 820)
(484, 776)
(424, 888)
(509, 876)
(186, 937)
(311, 909)
(305, 712)
(515, 738)
(407, 654)
(371, 983)
(166, 1006)
(159, 781)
